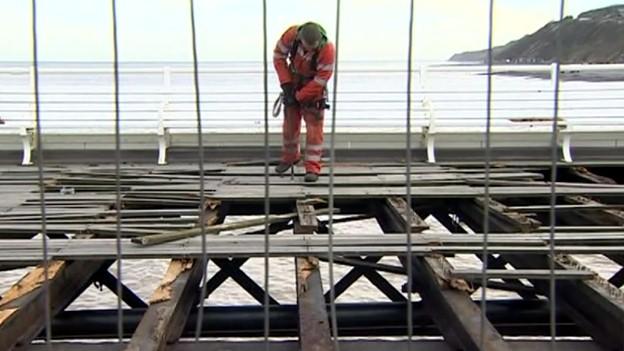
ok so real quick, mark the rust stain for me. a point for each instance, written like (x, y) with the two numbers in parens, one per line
(31, 281)
(163, 291)
(520, 221)
(442, 269)
(211, 204)
(461, 285)
(306, 266)
(597, 282)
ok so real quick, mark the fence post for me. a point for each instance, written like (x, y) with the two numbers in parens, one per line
(566, 147)
(429, 113)
(162, 129)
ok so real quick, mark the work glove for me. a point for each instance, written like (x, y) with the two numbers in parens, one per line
(288, 90)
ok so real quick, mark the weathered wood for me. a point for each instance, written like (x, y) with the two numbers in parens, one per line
(22, 307)
(601, 216)
(517, 221)
(212, 229)
(530, 183)
(314, 334)
(585, 174)
(399, 206)
(27, 251)
(313, 320)
(169, 307)
(581, 229)
(306, 221)
(96, 229)
(598, 217)
(543, 274)
(602, 311)
(147, 190)
(452, 225)
(173, 299)
(14, 195)
(255, 193)
(377, 179)
(558, 208)
(447, 299)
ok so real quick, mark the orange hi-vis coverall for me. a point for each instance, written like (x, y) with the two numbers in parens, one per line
(311, 87)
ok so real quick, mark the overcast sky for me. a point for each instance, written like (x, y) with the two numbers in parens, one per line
(159, 30)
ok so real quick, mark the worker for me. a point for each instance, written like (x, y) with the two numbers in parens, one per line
(304, 61)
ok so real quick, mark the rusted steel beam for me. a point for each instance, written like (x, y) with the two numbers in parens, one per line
(601, 312)
(314, 326)
(446, 299)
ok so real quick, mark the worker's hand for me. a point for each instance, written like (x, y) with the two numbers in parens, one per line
(288, 90)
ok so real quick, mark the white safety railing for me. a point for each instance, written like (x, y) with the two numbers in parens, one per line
(157, 107)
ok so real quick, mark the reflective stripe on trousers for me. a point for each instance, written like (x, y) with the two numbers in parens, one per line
(291, 131)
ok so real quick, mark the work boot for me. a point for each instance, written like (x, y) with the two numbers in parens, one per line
(310, 177)
(282, 167)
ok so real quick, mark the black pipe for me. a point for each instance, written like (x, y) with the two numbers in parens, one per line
(510, 317)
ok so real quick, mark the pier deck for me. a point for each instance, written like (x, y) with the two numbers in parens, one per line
(161, 218)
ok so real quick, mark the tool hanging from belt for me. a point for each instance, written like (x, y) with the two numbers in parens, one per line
(277, 105)
(317, 105)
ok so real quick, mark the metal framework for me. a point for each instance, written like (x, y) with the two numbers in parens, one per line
(160, 200)
(525, 218)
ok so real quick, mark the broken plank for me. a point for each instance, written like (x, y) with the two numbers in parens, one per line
(169, 307)
(23, 306)
(212, 229)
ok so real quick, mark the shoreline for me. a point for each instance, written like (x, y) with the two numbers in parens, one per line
(592, 76)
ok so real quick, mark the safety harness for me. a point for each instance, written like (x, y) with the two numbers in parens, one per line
(300, 78)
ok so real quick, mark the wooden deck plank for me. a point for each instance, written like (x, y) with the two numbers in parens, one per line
(29, 251)
(251, 193)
